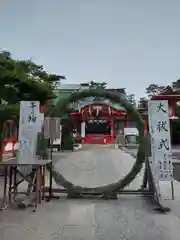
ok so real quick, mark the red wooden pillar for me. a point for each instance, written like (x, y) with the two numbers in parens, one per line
(41, 110)
(172, 105)
(112, 125)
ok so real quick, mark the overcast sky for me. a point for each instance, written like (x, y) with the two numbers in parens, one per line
(128, 43)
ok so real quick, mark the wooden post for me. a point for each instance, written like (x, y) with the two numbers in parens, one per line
(172, 104)
(125, 122)
(112, 128)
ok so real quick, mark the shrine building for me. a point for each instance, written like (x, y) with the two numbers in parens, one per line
(98, 120)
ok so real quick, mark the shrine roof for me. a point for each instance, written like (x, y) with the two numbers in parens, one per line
(168, 93)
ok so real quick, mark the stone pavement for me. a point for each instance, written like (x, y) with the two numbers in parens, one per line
(129, 217)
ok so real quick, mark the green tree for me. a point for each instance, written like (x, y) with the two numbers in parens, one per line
(96, 84)
(22, 80)
(143, 103)
(176, 85)
(131, 99)
(153, 89)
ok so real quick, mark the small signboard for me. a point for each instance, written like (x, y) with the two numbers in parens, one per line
(159, 129)
(52, 128)
(29, 125)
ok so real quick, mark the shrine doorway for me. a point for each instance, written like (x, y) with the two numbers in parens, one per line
(99, 127)
(98, 131)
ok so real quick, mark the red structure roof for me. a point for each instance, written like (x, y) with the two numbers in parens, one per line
(102, 110)
(167, 94)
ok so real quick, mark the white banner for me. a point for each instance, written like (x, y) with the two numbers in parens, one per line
(159, 129)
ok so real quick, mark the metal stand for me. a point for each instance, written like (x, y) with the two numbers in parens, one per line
(172, 189)
(150, 185)
(35, 179)
(51, 195)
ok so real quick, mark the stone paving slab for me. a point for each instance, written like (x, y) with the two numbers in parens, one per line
(129, 217)
(87, 219)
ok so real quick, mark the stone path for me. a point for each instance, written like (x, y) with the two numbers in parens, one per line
(96, 166)
(128, 217)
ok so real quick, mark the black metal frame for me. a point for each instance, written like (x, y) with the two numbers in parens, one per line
(149, 183)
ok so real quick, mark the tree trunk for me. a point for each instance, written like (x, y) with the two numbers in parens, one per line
(67, 138)
(1, 140)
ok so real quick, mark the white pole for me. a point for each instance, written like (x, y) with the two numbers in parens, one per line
(83, 129)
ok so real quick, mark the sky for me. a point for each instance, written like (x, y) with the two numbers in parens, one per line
(127, 43)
